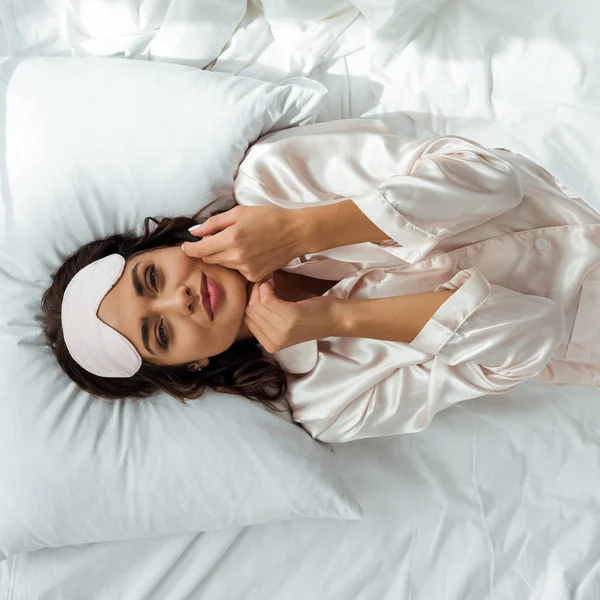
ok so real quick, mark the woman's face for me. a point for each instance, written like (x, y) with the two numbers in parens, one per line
(175, 309)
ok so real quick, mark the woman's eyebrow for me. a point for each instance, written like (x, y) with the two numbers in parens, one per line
(145, 335)
(137, 284)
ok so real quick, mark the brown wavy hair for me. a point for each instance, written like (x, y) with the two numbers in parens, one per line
(242, 369)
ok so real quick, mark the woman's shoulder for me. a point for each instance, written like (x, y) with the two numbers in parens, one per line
(341, 127)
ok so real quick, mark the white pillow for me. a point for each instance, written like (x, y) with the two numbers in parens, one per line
(88, 148)
(93, 146)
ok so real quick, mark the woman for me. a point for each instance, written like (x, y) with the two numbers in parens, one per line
(395, 277)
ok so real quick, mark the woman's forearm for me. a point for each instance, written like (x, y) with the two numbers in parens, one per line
(395, 319)
(335, 225)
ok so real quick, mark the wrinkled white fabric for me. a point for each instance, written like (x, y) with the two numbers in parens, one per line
(520, 249)
(195, 31)
(104, 28)
(282, 38)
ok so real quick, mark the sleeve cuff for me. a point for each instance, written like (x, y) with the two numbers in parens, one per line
(415, 242)
(473, 289)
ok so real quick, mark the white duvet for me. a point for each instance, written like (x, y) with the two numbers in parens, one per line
(500, 498)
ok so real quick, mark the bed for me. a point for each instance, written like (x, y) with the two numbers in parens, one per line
(499, 498)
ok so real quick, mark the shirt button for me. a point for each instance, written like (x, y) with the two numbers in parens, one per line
(463, 263)
(541, 244)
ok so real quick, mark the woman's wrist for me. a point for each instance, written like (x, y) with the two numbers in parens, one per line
(334, 225)
(341, 319)
(395, 318)
(309, 229)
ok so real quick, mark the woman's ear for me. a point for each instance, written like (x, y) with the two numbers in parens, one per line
(198, 365)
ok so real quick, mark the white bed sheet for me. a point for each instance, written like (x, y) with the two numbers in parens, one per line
(499, 498)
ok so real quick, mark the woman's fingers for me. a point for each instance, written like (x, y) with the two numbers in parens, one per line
(257, 239)
(214, 234)
(261, 321)
(271, 323)
(264, 299)
(220, 258)
(254, 295)
(222, 249)
(261, 336)
(276, 318)
(268, 297)
(207, 246)
(216, 223)
(269, 320)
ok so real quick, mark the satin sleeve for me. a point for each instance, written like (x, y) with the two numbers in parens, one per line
(418, 192)
(453, 185)
(485, 339)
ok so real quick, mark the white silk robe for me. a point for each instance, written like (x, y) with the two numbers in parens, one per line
(522, 251)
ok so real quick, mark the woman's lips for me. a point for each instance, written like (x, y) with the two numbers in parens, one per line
(214, 295)
(205, 296)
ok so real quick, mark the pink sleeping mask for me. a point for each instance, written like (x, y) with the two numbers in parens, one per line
(98, 348)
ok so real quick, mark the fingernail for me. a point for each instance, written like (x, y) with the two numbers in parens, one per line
(195, 227)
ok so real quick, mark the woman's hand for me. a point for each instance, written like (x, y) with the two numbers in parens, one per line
(277, 324)
(254, 240)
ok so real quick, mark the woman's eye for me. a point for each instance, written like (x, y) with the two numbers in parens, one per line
(162, 334)
(152, 277)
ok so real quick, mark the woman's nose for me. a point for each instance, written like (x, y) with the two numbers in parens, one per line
(179, 301)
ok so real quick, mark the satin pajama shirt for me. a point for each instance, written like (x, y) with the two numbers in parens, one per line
(520, 249)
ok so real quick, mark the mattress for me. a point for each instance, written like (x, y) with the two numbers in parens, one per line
(499, 498)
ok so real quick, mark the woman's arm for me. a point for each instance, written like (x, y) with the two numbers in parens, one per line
(396, 319)
(258, 240)
(278, 324)
(442, 187)
(452, 185)
(460, 318)
(335, 225)
(483, 339)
